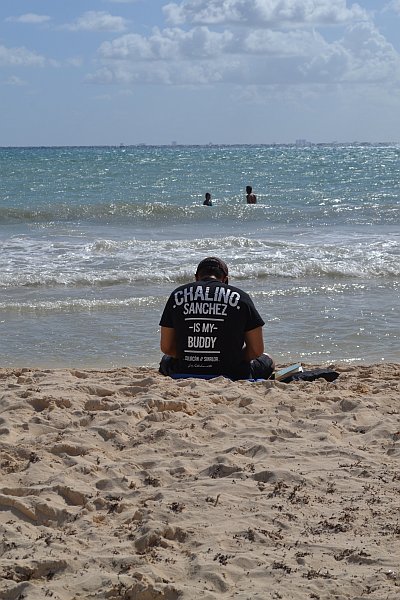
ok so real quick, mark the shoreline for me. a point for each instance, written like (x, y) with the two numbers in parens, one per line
(153, 365)
(121, 483)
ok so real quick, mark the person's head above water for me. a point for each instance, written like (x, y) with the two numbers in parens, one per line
(249, 189)
(207, 201)
(212, 266)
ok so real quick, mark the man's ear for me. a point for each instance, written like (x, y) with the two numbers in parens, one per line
(225, 280)
(196, 277)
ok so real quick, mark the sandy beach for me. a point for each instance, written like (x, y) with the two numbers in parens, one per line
(122, 484)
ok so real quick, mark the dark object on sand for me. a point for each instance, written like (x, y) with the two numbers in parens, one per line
(327, 374)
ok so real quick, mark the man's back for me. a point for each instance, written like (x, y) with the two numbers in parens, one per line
(250, 197)
(210, 319)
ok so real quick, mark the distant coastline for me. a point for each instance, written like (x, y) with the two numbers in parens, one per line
(298, 144)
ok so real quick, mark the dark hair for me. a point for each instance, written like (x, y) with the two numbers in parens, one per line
(249, 189)
(212, 266)
(215, 271)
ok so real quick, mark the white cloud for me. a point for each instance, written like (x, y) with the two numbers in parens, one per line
(186, 73)
(104, 76)
(374, 58)
(169, 44)
(201, 43)
(76, 62)
(394, 5)
(259, 55)
(171, 56)
(20, 57)
(283, 43)
(15, 81)
(98, 21)
(362, 55)
(263, 13)
(31, 18)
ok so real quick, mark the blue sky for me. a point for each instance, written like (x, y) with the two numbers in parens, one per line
(92, 72)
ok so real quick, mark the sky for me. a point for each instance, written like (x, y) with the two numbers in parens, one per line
(110, 72)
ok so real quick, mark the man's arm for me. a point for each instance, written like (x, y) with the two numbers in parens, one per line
(168, 341)
(254, 343)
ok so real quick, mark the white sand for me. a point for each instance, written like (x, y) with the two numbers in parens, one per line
(123, 484)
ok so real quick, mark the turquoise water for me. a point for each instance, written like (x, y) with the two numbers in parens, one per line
(93, 240)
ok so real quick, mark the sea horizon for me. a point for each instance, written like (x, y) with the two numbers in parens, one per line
(296, 143)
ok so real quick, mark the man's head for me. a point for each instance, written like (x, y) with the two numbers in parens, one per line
(208, 196)
(212, 267)
(249, 189)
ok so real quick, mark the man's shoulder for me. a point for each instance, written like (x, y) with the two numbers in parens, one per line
(184, 286)
(244, 295)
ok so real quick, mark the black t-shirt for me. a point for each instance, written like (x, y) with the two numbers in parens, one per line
(210, 319)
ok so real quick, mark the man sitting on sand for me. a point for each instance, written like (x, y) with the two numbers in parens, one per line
(209, 327)
(250, 197)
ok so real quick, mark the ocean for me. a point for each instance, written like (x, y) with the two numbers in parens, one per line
(93, 240)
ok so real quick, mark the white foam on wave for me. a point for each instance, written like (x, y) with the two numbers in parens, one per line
(76, 262)
(80, 304)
